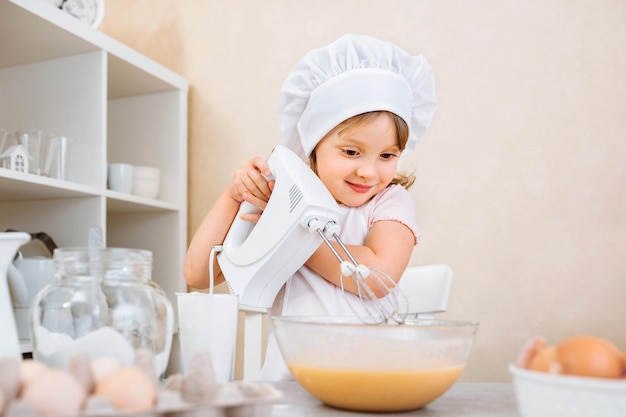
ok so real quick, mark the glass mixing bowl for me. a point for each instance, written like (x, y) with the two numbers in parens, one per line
(389, 367)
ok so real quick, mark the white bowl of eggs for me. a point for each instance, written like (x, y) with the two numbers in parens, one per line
(581, 376)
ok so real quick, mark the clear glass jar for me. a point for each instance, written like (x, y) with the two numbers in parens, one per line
(102, 302)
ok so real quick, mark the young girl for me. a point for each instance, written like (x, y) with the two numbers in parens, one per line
(351, 109)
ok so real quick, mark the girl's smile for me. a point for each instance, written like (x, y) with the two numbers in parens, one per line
(359, 188)
(358, 161)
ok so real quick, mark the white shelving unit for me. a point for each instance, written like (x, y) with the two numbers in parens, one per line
(115, 105)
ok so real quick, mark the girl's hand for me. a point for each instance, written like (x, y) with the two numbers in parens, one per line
(249, 184)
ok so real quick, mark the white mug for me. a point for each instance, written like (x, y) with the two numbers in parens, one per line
(209, 322)
(120, 177)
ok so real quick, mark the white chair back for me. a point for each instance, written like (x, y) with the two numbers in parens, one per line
(427, 288)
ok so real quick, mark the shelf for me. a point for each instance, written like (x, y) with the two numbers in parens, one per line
(17, 186)
(128, 203)
(47, 33)
(43, 33)
(114, 105)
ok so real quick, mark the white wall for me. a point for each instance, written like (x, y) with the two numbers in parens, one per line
(521, 178)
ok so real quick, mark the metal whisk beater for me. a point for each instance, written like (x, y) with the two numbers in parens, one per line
(380, 297)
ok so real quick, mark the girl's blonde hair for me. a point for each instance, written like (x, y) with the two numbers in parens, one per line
(402, 135)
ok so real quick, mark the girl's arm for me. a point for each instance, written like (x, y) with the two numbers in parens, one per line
(248, 184)
(388, 248)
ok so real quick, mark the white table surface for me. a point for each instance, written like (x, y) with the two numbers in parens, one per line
(461, 400)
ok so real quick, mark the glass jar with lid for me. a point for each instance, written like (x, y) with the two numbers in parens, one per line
(103, 303)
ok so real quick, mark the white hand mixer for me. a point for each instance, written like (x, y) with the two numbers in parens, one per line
(258, 258)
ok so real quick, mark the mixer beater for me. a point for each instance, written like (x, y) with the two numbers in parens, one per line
(382, 300)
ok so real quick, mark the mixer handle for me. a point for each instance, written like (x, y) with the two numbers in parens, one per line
(240, 229)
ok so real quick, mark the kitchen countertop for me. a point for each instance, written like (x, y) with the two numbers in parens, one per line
(461, 400)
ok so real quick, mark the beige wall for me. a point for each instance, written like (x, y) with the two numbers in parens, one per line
(521, 180)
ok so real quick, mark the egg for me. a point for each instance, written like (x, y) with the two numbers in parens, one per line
(530, 348)
(581, 355)
(101, 367)
(54, 393)
(29, 370)
(544, 360)
(589, 356)
(129, 388)
(80, 367)
(9, 378)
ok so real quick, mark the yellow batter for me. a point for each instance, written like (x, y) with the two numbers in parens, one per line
(367, 390)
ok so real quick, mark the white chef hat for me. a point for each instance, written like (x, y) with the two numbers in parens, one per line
(355, 74)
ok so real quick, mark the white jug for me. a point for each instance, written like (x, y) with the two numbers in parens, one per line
(35, 272)
(9, 244)
(30, 274)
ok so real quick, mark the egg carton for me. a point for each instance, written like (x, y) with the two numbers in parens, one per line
(233, 399)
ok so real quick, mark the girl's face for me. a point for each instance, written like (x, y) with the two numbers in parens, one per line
(357, 163)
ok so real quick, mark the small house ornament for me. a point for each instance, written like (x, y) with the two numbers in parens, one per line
(16, 158)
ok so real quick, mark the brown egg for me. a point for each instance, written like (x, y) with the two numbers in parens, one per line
(590, 356)
(129, 388)
(54, 393)
(531, 347)
(544, 360)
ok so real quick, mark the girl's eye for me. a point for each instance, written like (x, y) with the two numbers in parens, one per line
(388, 155)
(351, 152)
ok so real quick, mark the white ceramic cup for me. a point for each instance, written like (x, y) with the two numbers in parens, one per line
(209, 322)
(120, 177)
(147, 181)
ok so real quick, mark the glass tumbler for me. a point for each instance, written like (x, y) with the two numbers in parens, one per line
(103, 303)
(34, 143)
(3, 139)
(48, 152)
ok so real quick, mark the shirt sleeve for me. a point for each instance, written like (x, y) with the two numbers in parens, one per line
(395, 203)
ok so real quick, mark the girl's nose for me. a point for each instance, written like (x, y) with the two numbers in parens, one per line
(366, 170)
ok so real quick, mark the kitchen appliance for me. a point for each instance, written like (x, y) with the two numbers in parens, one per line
(9, 244)
(301, 214)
